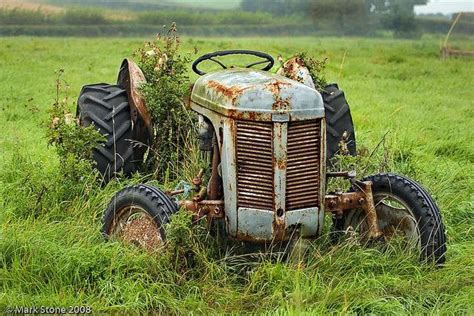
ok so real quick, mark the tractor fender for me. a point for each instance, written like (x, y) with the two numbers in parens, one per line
(130, 77)
(295, 69)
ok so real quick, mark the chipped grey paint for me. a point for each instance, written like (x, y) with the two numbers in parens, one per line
(250, 94)
(308, 221)
(280, 131)
(255, 224)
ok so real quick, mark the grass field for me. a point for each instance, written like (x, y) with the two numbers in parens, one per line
(52, 254)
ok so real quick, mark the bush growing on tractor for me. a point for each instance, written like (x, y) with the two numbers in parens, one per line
(166, 87)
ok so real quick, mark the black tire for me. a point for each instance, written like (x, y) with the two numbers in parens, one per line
(154, 202)
(427, 217)
(339, 125)
(106, 106)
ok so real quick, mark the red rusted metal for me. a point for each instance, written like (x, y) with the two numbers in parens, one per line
(254, 164)
(231, 93)
(131, 77)
(303, 181)
(295, 69)
(363, 199)
(214, 190)
(279, 230)
(205, 208)
(447, 52)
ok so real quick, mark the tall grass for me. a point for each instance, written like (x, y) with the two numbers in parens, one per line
(412, 115)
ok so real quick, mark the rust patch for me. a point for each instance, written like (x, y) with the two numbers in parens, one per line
(276, 86)
(131, 77)
(281, 104)
(231, 93)
(250, 116)
(363, 199)
(278, 228)
(200, 209)
(281, 163)
(290, 69)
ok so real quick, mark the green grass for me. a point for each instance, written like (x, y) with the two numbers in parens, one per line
(52, 254)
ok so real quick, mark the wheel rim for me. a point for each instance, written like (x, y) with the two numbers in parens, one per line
(135, 226)
(395, 218)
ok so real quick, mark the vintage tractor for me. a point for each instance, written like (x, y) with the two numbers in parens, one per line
(269, 138)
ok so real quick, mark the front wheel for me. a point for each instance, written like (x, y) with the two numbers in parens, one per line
(406, 209)
(138, 215)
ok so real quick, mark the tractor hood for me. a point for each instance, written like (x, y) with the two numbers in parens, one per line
(256, 95)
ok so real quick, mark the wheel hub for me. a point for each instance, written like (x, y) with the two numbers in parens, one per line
(135, 226)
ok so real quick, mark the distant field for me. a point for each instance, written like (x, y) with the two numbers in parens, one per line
(205, 4)
(30, 5)
(51, 251)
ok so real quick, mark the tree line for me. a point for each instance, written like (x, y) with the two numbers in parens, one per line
(347, 16)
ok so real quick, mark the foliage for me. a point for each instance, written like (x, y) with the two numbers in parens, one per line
(73, 144)
(277, 7)
(343, 16)
(167, 85)
(206, 18)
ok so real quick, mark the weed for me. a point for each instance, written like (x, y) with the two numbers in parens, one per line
(74, 144)
(167, 85)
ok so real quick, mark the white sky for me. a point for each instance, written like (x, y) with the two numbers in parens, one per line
(445, 6)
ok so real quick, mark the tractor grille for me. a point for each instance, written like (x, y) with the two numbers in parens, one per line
(304, 163)
(254, 165)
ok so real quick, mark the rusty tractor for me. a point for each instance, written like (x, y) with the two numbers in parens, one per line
(270, 137)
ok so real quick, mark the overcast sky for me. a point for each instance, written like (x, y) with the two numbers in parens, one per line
(446, 6)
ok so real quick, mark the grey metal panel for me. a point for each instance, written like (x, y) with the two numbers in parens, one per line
(308, 219)
(228, 169)
(256, 95)
(255, 224)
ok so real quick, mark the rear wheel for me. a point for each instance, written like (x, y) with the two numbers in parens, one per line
(404, 208)
(138, 215)
(339, 126)
(106, 107)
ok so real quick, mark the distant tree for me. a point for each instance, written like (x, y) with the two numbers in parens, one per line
(396, 15)
(277, 7)
(345, 16)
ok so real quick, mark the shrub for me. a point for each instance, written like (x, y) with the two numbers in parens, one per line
(167, 85)
(74, 144)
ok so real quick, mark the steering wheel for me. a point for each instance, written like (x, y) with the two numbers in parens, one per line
(267, 59)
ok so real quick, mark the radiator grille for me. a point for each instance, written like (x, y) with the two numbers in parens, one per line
(304, 163)
(254, 164)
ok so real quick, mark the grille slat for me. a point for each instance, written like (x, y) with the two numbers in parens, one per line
(303, 167)
(254, 165)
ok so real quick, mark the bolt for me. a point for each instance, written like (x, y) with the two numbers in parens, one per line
(361, 201)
